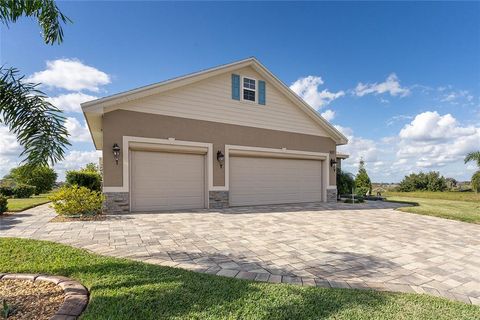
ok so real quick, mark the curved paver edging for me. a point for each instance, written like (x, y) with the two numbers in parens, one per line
(76, 295)
(343, 284)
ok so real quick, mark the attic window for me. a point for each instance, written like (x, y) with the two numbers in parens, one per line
(249, 89)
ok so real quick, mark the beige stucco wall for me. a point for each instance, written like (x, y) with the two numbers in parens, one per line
(119, 123)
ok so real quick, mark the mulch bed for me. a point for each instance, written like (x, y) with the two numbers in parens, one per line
(98, 217)
(30, 300)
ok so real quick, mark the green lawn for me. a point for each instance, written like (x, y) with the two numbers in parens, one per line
(447, 195)
(15, 205)
(462, 206)
(123, 289)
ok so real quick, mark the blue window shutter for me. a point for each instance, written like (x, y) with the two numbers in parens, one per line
(235, 87)
(261, 92)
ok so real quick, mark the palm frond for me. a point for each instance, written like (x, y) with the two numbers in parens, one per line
(473, 156)
(46, 12)
(38, 125)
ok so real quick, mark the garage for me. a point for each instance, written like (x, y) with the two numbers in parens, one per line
(167, 180)
(263, 180)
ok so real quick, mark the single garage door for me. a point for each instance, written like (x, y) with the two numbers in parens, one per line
(257, 181)
(167, 181)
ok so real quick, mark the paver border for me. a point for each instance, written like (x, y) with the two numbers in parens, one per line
(76, 295)
(398, 287)
(388, 286)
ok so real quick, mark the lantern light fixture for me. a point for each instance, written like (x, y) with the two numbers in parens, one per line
(333, 164)
(220, 158)
(116, 152)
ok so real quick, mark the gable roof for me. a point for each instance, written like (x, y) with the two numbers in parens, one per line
(94, 109)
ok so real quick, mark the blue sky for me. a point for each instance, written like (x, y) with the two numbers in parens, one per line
(401, 80)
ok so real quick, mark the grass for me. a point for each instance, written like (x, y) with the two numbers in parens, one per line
(124, 289)
(461, 206)
(446, 195)
(16, 205)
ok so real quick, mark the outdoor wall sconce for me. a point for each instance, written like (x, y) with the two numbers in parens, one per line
(333, 164)
(220, 158)
(116, 152)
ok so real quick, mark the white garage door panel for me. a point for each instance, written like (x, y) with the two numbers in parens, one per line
(167, 181)
(256, 181)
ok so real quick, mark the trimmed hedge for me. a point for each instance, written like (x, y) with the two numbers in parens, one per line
(23, 191)
(3, 204)
(88, 179)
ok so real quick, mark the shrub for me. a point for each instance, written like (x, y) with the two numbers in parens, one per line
(345, 182)
(23, 191)
(41, 177)
(431, 181)
(6, 187)
(3, 204)
(83, 178)
(357, 200)
(75, 200)
(362, 180)
(476, 181)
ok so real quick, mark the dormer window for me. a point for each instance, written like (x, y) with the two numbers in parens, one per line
(249, 89)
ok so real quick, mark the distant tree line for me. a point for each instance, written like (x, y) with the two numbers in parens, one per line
(430, 181)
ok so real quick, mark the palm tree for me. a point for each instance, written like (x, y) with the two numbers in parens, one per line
(474, 156)
(37, 124)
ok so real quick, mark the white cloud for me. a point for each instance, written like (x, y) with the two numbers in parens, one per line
(70, 102)
(328, 115)
(429, 126)
(432, 140)
(391, 85)
(358, 147)
(78, 132)
(70, 74)
(457, 97)
(307, 89)
(75, 160)
(9, 151)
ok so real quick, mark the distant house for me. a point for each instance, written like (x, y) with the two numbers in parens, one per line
(232, 135)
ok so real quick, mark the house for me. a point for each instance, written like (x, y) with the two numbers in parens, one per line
(233, 135)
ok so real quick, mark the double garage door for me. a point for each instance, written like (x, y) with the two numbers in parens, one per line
(169, 181)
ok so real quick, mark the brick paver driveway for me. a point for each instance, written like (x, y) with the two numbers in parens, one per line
(315, 244)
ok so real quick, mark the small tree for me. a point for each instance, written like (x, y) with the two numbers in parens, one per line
(41, 177)
(91, 167)
(476, 181)
(475, 157)
(363, 183)
(345, 182)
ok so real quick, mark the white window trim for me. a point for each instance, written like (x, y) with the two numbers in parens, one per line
(243, 88)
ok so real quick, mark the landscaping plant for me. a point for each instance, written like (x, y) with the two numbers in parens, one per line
(23, 191)
(363, 183)
(6, 187)
(345, 182)
(430, 181)
(89, 179)
(3, 204)
(42, 177)
(475, 182)
(77, 201)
